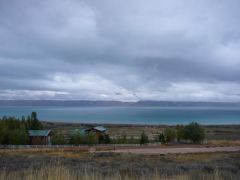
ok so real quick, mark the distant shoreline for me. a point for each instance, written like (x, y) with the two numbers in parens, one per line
(129, 124)
(102, 103)
(133, 115)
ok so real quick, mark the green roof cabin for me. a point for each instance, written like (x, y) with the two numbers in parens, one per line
(40, 137)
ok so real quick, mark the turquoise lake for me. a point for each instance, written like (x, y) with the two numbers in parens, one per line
(129, 115)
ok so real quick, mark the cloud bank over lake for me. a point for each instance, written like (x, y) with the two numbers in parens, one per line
(120, 50)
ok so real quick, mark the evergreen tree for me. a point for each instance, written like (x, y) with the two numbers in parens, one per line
(144, 138)
(107, 139)
(162, 138)
(35, 124)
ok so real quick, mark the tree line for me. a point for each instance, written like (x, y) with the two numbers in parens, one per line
(15, 130)
(193, 132)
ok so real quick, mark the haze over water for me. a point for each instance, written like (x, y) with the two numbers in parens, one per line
(129, 115)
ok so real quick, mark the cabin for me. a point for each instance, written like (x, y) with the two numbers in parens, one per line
(84, 131)
(97, 129)
(40, 137)
(100, 131)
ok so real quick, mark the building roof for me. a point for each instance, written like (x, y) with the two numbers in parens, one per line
(100, 128)
(39, 132)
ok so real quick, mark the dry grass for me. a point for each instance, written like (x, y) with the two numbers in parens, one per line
(196, 157)
(59, 172)
(223, 143)
(73, 164)
(60, 152)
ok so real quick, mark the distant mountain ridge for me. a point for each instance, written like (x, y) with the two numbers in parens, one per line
(99, 103)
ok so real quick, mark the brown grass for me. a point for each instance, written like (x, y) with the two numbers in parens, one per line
(48, 164)
(223, 143)
(60, 172)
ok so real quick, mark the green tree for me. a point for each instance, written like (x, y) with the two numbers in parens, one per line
(195, 132)
(58, 138)
(18, 137)
(3, 133)
(161, 138)
(169, 134)
(181, 133)
(107, 139)
(144, 138)
(77, 138)
(35, 124)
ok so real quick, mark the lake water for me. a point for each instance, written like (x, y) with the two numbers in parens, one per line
(129, 115)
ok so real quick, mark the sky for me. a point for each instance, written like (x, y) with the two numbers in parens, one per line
(170, 50)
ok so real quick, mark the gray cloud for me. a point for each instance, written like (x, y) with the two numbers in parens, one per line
(158, 50)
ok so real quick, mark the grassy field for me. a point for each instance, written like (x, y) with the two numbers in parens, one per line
(74, 164)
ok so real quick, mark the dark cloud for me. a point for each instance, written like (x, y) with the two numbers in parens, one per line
(159, 50)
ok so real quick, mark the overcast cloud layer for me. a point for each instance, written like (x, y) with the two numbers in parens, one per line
(183, 50)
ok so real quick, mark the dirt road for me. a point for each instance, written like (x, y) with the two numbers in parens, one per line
(182, 150)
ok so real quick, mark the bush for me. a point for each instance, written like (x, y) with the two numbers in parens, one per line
(194, 132)
(144, 138)
(169, 134)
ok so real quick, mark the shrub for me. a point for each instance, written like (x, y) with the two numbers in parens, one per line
(194, 132)
(169, 134)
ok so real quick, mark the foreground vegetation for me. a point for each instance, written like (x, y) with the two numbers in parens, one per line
(71, 164)
(64, 173)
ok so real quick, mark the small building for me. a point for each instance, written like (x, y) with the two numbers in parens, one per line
(100, 132)
(40, 137)
(97, 129)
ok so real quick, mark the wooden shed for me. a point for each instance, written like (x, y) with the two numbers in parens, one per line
(40, 137)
